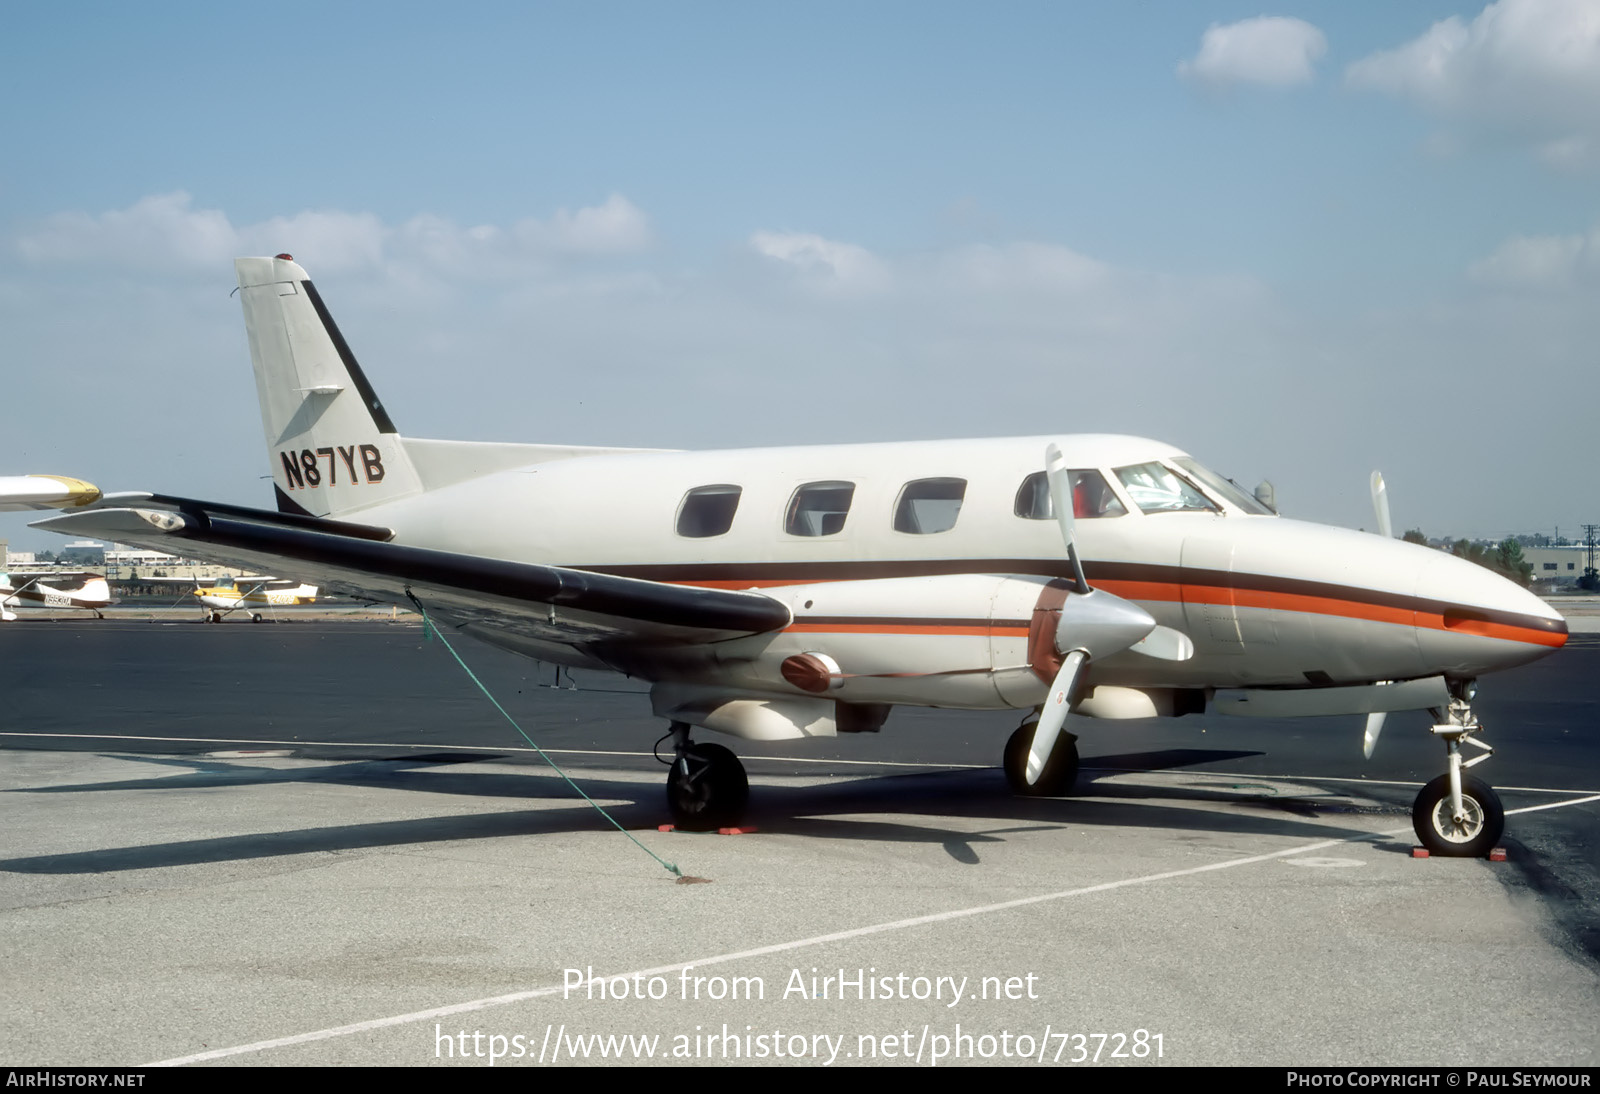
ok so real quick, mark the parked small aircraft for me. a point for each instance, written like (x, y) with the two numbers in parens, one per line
(250, 593)
(53, 589)
(801, 592)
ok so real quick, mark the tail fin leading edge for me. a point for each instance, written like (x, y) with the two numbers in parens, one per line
(330, 443)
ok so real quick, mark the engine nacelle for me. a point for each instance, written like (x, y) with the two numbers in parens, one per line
(970, 641)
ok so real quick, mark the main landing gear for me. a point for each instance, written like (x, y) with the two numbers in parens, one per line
(706, 787)
(1060, 770)
(1455, 814)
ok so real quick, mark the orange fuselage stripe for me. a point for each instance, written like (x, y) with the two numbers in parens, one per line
(1175, 593)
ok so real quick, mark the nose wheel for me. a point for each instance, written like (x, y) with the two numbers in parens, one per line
(707, 786)
(1472, 832)
(1457, 815)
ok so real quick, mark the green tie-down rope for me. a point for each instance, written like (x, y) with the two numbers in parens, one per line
(429, 630)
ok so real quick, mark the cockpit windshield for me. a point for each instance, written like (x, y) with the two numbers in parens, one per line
(1155, 488)
(1226, 489)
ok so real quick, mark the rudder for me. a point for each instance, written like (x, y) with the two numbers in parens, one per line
(330, 443)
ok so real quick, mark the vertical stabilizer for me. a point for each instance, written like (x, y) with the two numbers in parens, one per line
(330, 443)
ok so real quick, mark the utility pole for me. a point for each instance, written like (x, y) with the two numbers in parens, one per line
(1591, 576)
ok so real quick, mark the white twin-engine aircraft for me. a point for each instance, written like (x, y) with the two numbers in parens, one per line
(802, 592)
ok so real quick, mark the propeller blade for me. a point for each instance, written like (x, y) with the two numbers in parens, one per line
(1369, 740)
(1054, 714)
(1380, 505)
(1165, 643)
(1061, 500)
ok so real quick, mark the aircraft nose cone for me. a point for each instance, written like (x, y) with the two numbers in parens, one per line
(1475, 621)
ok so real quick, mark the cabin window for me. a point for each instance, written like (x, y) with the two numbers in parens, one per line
(1091, 497)
(929, 505)
(708, 511)
(1156, 488)
(819, 509)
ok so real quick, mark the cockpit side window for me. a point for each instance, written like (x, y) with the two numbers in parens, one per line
(708, 511)
(1091, 497)
(929, 505)
(819, 509)
(1156, 488)
(1226, 489)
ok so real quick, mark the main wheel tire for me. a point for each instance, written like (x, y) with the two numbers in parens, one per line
(1482, 825)
(707, 788)
(1060, 770)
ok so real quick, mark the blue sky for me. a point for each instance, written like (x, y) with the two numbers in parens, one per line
(1301, 241)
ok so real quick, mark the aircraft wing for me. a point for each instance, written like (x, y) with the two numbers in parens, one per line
(61, 578)
(545, 603)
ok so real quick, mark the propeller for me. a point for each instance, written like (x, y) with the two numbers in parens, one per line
(1369, 739)
(1380, 505)
(1094, 624)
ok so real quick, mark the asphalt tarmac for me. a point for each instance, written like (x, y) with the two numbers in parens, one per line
(317, 842)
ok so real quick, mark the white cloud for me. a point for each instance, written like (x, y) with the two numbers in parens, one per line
(1541, 262)
(615, 227)
(1270, 49)
(824, 263)
(166, 231)
(160, 230)
(1527, 68)
(1027, 267)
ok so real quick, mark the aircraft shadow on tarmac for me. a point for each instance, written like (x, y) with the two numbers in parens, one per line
(845, 810)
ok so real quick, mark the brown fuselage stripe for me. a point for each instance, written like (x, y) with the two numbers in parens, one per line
(1009, 628)
(1132, 581)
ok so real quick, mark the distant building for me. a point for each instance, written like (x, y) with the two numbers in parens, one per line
(83, 552)
(1560, 565)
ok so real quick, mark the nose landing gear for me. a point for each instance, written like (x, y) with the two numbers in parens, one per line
(1456, 815)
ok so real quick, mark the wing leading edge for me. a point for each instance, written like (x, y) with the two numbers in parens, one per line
(550, 603)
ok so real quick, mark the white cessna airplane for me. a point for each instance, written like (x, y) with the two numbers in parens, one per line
(53, 589)
(802, 592)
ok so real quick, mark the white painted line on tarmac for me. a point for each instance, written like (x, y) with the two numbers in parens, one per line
(802, 943)
(1552, 805)
(452, 747)
(476, 748)
(1335, 779)
(760, 951)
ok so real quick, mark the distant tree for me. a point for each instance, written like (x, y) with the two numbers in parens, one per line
(1590, 580)
(1472, 552)
(1415, 536)
(1507, 559)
